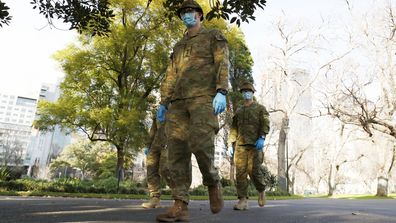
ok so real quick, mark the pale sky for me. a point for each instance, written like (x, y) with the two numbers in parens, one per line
(26, 45)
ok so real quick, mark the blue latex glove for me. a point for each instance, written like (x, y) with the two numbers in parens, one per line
(146, 151)
(219, 103)
(259, 144)
(231, 151)
(161, 113)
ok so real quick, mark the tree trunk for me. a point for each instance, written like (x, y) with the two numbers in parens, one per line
(232, 170)
(282, 178)
(330, 182)
(382, 187)
(120, 163)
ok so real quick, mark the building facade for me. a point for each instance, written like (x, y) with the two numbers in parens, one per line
(45, 146)
(16, 117)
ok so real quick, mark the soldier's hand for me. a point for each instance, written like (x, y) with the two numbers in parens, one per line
(260, 143)
(146, 151)
(161, 113)
(219, 103)
(231, 151)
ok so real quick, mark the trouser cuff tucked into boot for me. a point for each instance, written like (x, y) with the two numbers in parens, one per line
(154, 202)
(242, 204)
(178, 212)
(261, 199)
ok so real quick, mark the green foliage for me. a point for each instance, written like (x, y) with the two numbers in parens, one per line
(5, 18)
(4, 173)
(107, 166)
(89, 15)
(269, 178)
(201, 190)
(109, 82)
(95, 17)
(229, 191)
(226, 182)
(68, 185)
(96, 160)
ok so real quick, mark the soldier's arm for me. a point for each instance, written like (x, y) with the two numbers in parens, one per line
(168, 85)
(265, 122)
(221, 60)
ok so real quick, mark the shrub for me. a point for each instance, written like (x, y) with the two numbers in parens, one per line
(4, 173)
(229, 191)
(226, 182)
(201, 190)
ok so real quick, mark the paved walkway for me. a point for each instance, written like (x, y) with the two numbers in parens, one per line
(37, 209)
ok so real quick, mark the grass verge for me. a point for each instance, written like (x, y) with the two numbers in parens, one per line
(124, 196)
(354, 196)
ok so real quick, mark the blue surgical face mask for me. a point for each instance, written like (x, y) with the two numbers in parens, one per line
(247, 95)
(189, 19)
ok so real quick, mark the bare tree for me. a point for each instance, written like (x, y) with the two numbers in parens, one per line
(354, 103)
(11, 150)
(290, 89)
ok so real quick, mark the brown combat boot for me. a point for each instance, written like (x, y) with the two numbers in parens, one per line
(154, 202)
(261, 199)
(242, 204)
(178, 212)
(215, 198)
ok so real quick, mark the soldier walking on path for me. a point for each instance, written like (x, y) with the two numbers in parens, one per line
(250, 125)
(156, 163)
(192, 95)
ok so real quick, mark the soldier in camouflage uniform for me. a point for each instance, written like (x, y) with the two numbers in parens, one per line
(192, 94)
(250, 125)
(156, 163)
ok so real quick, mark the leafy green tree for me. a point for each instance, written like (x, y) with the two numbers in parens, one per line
(83, 155)
(110, 80)
(106, 165)
(96, 16)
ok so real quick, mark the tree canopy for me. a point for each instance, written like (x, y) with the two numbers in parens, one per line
(96, 16)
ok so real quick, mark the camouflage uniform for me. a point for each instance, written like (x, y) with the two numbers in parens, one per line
(199, 67)
(248, 124)
(157, 159)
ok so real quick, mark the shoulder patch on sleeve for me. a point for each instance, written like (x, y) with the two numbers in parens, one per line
(218, 35)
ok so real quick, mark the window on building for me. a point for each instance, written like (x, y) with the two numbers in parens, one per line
(26, 101)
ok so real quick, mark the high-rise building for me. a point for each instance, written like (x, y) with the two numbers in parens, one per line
(16, 117)
(44, 146)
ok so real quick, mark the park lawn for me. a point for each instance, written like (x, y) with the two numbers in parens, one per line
(353, 196)
(124, 196)
(362, 196)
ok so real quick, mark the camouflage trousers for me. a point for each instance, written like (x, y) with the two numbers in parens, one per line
(190, 129)
(156, 169)
(248, 162)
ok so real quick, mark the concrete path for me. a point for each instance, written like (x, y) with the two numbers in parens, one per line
(40, 210)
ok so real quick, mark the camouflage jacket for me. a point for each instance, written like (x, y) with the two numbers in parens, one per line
(248, 124)
(199, 67)
(156, 135)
